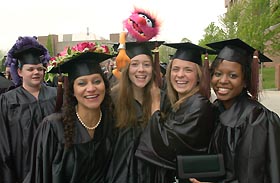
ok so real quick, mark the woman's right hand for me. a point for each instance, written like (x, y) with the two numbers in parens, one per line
(193, 180)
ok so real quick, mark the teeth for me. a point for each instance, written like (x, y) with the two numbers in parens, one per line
(140, 77)
(181, 82)
(223, 89)
(88, 97)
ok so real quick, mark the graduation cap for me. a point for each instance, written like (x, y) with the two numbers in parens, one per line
(29, 56)
(27, 50)
(236, 50)
(137, 48)
(189, 52)
(84, 62)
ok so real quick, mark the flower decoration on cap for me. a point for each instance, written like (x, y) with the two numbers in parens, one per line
(70, 53)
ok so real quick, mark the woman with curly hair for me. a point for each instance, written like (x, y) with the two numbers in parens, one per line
(24, 107)
(75, 145)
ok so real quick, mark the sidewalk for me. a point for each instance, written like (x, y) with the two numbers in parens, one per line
(271, 99)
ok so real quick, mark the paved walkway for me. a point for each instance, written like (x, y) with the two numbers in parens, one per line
(271, 99)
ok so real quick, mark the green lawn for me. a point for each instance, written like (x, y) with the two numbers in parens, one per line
(268, 77)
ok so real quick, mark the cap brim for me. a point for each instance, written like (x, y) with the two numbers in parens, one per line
(218, 46)
(87, 57)
(189, 45)
(28, 49)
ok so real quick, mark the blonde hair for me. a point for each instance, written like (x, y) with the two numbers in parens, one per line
(173, 94)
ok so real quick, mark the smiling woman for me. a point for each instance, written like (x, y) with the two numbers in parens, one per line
(75, 144)
(247, 132)
(183, 128)
(133, 103)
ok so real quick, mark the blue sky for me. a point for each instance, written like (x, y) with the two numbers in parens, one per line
(180, 18)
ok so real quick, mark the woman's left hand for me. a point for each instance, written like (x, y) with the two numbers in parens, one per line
(155, 94)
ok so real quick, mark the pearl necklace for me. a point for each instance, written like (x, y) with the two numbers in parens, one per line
(87, 127)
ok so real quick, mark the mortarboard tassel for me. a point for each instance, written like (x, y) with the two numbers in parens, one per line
(59, 97)
(158, 78)
(205, 85)
(254, 89)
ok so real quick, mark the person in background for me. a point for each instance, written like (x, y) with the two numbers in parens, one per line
(5, 78)
(187, 127)
(75, 144)
(23, 108)
(5, 84)
(133, 105)
(247, 133)
(7, 71)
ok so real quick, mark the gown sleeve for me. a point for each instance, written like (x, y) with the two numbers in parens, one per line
(44, 148)
(248, 136)
(274, 147)
(6, 169)
(258, 149)
(186, 131)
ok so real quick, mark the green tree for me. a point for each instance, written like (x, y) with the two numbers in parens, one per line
(212, 33)
(254, 21)
(165, 52)
(49, 45)
(273, 32)
(2, 60)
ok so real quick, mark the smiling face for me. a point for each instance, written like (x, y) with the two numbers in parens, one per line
(32, 75)
(140, 70)
(228, 82)
(183, 76)
(89, 91)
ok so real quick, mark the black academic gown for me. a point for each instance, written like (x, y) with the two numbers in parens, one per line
(184, 132)
(20, 116)
(5, 84)
(248, 135)
(125, 167)
(86, 161)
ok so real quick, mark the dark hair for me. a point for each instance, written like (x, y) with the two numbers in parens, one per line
(246, 70)
(69, 113)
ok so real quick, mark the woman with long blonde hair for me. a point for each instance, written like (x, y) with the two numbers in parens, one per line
(187, 127)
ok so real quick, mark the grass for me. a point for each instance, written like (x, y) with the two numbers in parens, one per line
(268, 77)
